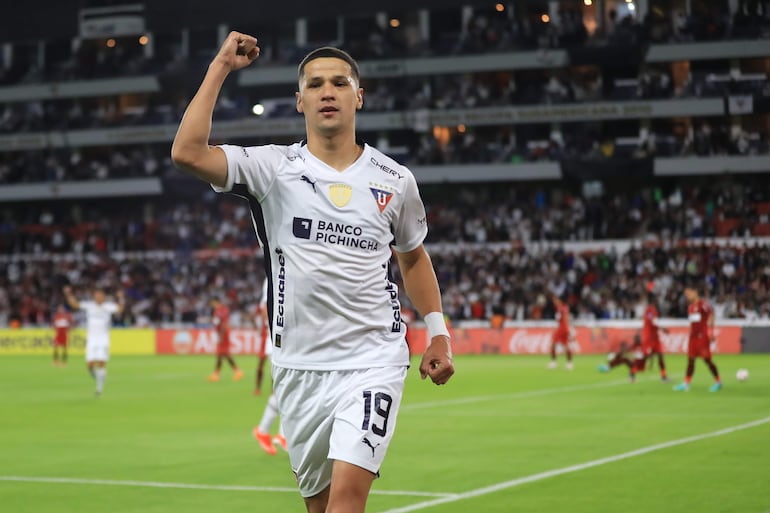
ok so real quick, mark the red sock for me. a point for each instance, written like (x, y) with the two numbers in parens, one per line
(687, 379)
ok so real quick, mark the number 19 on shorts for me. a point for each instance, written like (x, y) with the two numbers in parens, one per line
(382, 403)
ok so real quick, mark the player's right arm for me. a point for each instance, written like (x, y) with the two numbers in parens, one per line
(191, 151)
(70, 298)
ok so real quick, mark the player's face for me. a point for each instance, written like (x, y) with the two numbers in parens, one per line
(99, 296)
(329, 96)
(691, 295)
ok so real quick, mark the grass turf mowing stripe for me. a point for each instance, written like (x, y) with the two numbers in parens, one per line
(518, 395)
(193, 486)
(576, 468)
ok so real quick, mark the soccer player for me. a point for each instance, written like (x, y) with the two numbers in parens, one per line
(701, 318)
(327, 212)
(264, 336)
(270, 413)
(262, 431)
(221, 321)
(651, 345)
(99, 314)
(62, 322)
(562, 334)
(620, 357)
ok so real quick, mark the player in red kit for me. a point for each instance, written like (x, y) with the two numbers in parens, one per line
(262, 323)
(635, 363)
(651, 345)
(701, 318)
(562, 334)
(221, 320)
(62, 322)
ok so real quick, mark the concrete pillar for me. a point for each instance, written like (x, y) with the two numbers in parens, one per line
(300, 32)
(642, 7)
(41, 55)
(222, 31)
(466, 15)
(381, 18)
(149, 48)
(340, 30)
(423, 19)
(7, 50)
(184, 43)
(601, 16)
(553, 12)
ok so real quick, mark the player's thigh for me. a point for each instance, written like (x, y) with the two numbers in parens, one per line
(97, 352)
(366, 419)
(306, 408)
(698, 348)
(560, 338)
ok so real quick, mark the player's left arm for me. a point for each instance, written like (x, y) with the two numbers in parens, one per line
(712, 325)
(121, 297)
(422, 288)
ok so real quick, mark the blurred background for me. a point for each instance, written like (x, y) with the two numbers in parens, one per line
(598, 149)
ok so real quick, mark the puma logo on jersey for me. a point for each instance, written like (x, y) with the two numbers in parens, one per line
(366, 442)
(304, 178)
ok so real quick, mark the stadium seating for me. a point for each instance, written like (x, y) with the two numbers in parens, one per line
(465, 96)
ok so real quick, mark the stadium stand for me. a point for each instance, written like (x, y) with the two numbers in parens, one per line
(559, 148)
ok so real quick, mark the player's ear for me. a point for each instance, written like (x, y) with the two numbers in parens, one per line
(298, 95)
(359, 98)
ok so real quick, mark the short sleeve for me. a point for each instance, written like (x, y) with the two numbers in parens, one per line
(411, 226)
(254, 166)
(111, 307)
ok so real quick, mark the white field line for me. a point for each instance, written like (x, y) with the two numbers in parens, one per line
(575, 468)
(191, 486)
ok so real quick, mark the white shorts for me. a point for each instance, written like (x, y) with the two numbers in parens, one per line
(337, 415)
(97, 352)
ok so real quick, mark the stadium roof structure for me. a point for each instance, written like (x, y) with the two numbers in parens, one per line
(46, 19)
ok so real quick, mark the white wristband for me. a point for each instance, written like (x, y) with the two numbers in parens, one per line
(434, 321)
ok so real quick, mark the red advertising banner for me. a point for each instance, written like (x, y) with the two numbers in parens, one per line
(204, 341)
(588, 340)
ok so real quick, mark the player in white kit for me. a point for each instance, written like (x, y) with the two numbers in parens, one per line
(328, 213)
(99, 314)
(261, 432)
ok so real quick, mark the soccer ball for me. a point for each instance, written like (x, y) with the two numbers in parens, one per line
(742, 375)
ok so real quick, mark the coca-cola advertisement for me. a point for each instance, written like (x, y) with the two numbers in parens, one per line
(584, 339)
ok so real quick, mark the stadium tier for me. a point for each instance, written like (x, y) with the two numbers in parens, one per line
(603, 123)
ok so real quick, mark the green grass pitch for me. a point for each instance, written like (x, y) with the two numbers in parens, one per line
(506, 435)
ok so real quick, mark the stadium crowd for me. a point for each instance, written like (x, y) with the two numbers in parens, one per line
(478, 281)
(533, 87)
(501, 144)
(485, 31)
(474, 213)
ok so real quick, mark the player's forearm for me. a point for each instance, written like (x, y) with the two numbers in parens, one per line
(72, 301)
(191, 142)
(421, 285)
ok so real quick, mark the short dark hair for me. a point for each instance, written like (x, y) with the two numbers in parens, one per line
(329, 51)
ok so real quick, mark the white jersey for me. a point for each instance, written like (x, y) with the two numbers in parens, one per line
(327, 239)
(98, 321)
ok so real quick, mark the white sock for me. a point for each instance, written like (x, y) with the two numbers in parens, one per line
(101, 374)
(269, 415)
